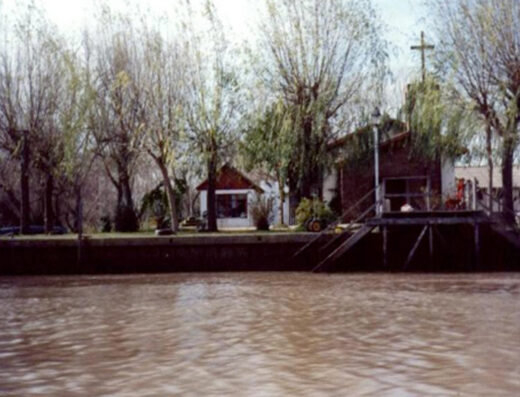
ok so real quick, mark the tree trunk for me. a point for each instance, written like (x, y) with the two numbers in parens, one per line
(211, 199)
(24, 186)
(507, 180)
(294, 200)
(57, 211)
(119, 194)
(318, 179)
(307, 166)
(171, 196)
(48, 210)
(79, 223)
(126, 216)
(79, 212)
(281, 192)
(282, 203)
(490, 166)
(126, 191)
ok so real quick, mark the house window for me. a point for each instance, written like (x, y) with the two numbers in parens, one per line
(232, 205)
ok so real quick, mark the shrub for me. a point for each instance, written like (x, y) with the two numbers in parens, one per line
(313, 209)
(261, 211)
(106, 224)
(155, 205)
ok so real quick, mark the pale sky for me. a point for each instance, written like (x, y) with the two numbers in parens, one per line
(404, 19)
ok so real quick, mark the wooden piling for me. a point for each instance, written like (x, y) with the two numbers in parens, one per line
(477, 246)
(385, 247)
(430, 241)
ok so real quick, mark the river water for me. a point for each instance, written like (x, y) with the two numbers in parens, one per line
(261, 334)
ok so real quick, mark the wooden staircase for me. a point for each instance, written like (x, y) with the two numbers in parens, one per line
(329, 246)
(338, 252)
(499, 226)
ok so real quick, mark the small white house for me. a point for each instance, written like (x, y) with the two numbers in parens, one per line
(235, 193)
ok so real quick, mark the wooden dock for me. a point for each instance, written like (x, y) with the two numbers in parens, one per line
(418, 227)
(429, 221)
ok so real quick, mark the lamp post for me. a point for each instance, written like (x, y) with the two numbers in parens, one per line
(376, 115)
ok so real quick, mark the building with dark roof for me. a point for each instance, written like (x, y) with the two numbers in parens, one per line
(405, 177)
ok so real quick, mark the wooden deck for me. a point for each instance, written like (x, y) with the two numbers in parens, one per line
(427, 221)
(429, 218)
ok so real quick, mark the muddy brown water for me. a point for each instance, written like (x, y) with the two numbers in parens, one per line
(261, 334)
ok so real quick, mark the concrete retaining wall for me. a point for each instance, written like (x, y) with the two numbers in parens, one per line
(204, 253)
(252, 252)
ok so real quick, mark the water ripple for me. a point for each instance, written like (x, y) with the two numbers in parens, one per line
(261, 334)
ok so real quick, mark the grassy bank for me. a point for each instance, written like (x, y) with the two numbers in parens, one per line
(145, 234)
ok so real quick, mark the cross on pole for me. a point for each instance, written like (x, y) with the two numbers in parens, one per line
(423, 47)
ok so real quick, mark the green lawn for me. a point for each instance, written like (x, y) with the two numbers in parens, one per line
(142, 234)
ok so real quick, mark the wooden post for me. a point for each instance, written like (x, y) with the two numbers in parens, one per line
(430, 238)
(477, 246)
(385, 247)
(428, 194)
(383, 197)
(474, 193)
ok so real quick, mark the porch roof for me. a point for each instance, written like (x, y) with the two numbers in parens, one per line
(229, 178)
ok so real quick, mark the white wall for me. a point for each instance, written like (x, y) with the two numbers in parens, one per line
(271, 190)
(203, 197)
(448, 186)
(330, 182)
(230, 222)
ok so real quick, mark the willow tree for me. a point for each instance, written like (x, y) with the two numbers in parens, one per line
(30, 86)
(116, 115)
(269, 143)
(212, 99)
(161, 118)
(440, 120)
(323, 58)
(481, 48)
(77, 100)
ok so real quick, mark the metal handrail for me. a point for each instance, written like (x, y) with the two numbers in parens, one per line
(334, 224)
(497, 201)
(351, 224)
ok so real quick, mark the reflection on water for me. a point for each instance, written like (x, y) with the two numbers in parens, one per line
(261, 334)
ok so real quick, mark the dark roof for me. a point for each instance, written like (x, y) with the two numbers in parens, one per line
(391, 131)
(230, 178)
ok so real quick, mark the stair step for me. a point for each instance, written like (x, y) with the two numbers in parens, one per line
(509, 234)
(344, 247)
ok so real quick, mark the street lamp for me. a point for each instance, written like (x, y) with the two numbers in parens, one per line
(376, 115)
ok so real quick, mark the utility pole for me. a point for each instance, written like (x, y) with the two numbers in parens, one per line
(376, 116)
(423, 47)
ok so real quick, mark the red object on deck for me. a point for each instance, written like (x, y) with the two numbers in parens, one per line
(460, 189)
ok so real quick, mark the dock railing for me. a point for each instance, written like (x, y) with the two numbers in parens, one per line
(501, 209)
